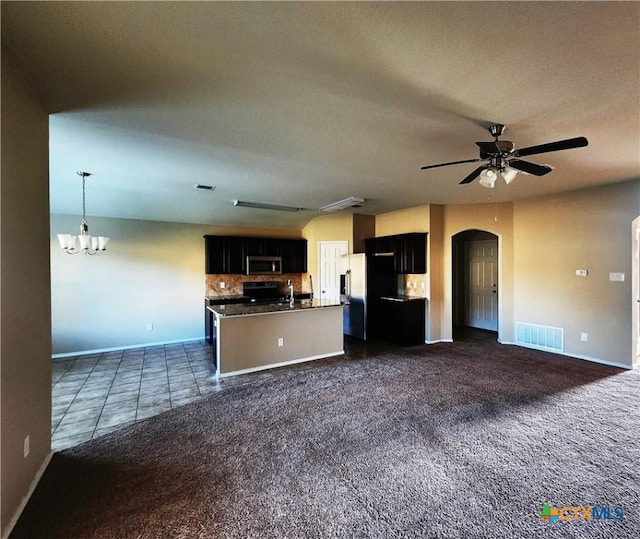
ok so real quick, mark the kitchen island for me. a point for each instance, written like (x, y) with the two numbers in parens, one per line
(247, 337)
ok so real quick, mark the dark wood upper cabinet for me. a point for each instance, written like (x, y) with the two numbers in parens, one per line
(409, 250)
(235, 253)
(228, 254)
(294, 256)
(411, 253)
(225, 254)
(213, 257)
(263, 246)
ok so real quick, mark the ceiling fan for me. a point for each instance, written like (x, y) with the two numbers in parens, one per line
(503, 158)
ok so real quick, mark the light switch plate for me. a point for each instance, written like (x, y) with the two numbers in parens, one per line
(616, 276)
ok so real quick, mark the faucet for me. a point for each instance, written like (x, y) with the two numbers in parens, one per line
(290, 285)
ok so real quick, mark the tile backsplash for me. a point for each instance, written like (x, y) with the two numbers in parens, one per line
(233, 283)
(415, 285)
(410, 284)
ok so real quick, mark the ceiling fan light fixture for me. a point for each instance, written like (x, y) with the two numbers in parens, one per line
(509, 174)
(488, 178)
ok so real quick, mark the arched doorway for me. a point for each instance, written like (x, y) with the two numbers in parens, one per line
(475, 280)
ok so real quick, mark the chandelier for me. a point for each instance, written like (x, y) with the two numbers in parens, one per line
(83, 242)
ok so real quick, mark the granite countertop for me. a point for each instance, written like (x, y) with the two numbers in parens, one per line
(227, 298)
(402, 298)
(240, 297)
(266, 308)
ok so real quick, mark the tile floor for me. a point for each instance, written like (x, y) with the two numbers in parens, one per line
(96, 394)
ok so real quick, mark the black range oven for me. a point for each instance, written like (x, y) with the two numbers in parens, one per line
(262, 291)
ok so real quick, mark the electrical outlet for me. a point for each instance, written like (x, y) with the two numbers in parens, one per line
(149, 326)
(584, 337)
(280, 341)
(616, 276)
(27, 446)
(582, 272)
(223, 284)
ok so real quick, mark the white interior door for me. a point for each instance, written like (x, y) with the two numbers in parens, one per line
(482, 297)
(328, 267)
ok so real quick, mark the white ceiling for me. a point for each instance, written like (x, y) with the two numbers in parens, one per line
(308, 103)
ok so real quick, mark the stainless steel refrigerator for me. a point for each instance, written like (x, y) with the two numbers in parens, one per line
(363, 280)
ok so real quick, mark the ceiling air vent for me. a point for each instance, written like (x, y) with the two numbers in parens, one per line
(204, 187)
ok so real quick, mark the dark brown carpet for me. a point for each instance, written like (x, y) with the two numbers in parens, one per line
(464, 440)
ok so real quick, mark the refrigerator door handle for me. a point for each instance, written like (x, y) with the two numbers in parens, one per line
(348, 284)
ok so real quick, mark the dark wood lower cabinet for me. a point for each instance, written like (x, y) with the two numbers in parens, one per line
(403, 321)
(209, 317)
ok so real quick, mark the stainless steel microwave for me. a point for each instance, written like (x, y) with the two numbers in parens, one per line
(264, 265)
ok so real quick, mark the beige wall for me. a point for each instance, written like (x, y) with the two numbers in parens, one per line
(333, 227)
(152, 273)
(588, 229)
(25, 320)
(310, 333)
(364, 226)
(414, 219)
(435, 276)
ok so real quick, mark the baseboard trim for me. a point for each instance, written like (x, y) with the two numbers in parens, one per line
(573, 356)
(436, 341)
(23, 503)
(127, 347)
(281, 364)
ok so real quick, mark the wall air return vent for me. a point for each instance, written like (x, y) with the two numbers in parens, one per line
(540, 337)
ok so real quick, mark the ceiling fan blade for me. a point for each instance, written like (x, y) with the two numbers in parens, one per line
(488, 147)
(451, 163)
(530, 168)
(473, 175)
(567, 144)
